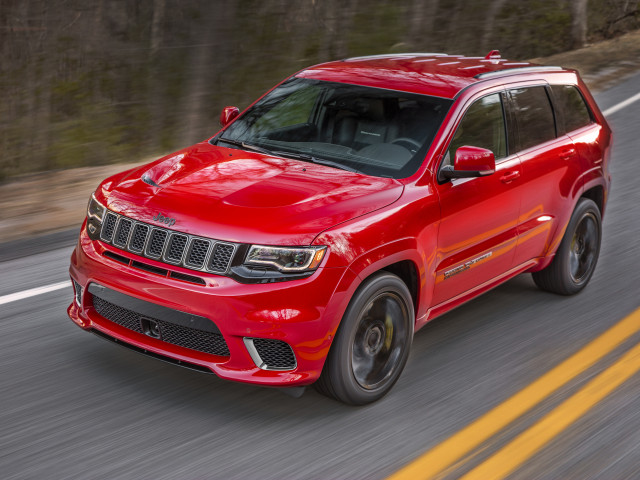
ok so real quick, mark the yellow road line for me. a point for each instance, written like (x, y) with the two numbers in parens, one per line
(525, 445)
(433, 462)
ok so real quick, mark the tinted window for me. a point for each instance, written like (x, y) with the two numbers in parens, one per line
(534, 116)
(482, 126)
(571, 104)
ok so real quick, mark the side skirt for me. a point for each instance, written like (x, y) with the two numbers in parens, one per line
(444, 307)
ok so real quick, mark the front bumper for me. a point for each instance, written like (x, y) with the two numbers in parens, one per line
(303, 313)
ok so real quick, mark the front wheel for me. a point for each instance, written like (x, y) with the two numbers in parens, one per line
(371, 347)
(577, 255)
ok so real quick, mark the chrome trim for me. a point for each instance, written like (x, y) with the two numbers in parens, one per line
(255, 356)
(169, 235)
(77, 293)
(515, 70)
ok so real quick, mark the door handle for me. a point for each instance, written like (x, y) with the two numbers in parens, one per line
(510, 177)
(567, 154)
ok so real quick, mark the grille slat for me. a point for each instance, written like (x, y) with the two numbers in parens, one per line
(168, 246)
(197, 253)
(156, 245)
(221, 257)
(177, 243)
(179, 335)
(122, 232)
(139, 237)
(108, 227)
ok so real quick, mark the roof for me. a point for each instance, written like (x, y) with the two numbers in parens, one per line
(435, 74)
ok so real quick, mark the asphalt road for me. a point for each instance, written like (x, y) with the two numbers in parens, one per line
(73, 406)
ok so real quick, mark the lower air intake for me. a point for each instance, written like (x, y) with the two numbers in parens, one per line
(271, 354)
(182, 336)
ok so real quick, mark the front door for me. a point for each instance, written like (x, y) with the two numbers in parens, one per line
(479, 216)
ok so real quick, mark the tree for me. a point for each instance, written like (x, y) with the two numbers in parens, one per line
(578, 22)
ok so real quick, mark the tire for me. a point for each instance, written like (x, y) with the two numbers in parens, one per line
(577, 255)
(372, 344)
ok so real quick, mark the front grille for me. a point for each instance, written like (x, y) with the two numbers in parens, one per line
(167, 246)
(273, 354)
(182, 336)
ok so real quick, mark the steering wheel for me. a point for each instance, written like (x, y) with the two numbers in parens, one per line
(413, 147)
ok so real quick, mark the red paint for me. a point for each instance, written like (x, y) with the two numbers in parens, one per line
(474, 159)
(461, 237)
(228, 114)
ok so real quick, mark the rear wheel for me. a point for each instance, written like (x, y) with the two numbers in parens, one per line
(372, 343)
(577, 255)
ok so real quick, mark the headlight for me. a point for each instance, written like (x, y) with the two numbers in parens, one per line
(286, 259)
(95, 214)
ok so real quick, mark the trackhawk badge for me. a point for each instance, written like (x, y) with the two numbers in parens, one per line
(166, 220)
(465, 266)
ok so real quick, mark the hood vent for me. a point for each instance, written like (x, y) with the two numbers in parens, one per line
(148, 180)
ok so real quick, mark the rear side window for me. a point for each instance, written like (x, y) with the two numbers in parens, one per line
(572, 106)
(536, 123)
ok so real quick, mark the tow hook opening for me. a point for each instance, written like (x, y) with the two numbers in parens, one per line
(150, 328)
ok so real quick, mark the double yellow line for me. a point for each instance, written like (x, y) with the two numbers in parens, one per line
(434, 462)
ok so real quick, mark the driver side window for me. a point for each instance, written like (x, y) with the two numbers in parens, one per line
(482, 126)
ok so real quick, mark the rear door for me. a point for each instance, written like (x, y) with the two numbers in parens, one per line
(551, 171)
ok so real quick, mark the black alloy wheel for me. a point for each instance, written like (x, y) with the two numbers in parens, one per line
(577, 256)
(372, 344)
(583, 249)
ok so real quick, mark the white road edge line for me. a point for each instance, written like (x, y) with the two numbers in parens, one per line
(32, 292)
(621, 105)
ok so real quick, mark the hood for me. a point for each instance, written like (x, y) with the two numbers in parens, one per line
(246, 197)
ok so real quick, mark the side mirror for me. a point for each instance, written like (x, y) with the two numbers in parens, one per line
(228, 114)
(469, 162)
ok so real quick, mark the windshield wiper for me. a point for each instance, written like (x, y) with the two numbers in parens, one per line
(320, 161)
(245, 145)
(298, 156)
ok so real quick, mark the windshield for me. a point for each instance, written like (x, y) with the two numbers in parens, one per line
(377, 132)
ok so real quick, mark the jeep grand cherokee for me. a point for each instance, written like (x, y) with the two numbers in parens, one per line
(357, 200)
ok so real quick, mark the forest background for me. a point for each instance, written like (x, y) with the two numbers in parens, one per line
(105, 81)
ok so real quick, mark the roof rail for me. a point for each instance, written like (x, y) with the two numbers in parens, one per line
(513, 70)
(392, 55)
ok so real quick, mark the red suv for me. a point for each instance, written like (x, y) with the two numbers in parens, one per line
(357, 200)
